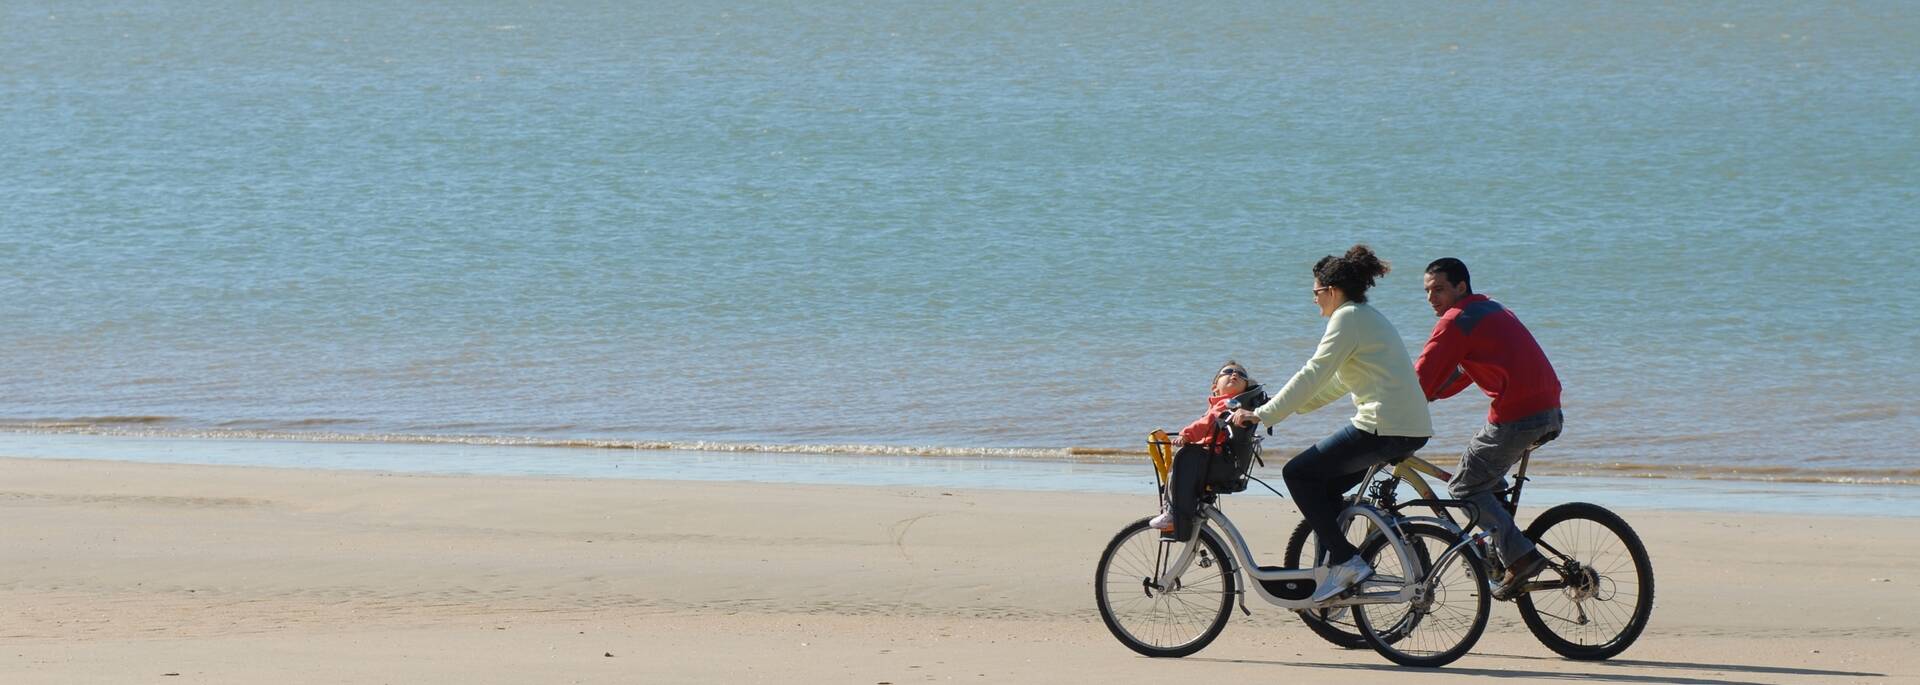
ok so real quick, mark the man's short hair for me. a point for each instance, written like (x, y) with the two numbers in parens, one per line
(1454, 269)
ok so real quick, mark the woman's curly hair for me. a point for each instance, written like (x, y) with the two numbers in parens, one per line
(1352, 273)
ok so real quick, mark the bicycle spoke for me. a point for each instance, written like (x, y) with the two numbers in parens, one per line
(1600, 594)
(1162, 621)
(1439, 627)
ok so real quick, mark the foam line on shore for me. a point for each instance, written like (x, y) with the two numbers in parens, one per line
(145, 428)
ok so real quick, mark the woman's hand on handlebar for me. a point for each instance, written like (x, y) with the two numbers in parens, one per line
(1242, 417)
(1176, 440)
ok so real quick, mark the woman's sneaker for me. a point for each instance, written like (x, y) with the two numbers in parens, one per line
(1163, 522)
(1340, 577)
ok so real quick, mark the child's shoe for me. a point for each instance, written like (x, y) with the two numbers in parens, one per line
(1163, 522)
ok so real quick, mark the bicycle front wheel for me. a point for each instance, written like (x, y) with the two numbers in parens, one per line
(1603, 593)
(1171, 621)
(1441, 623)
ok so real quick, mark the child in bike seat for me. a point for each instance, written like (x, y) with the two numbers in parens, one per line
(1201, 447)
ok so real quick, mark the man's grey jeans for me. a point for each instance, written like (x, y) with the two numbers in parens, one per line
(1483, 470)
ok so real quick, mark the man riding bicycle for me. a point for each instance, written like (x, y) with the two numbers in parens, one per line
(1479, 342)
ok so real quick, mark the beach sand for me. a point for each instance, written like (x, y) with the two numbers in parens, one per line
(116, 573)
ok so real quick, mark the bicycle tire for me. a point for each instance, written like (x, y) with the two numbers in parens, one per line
(1446, 625)
(1575, 539)
(1333, 625)
(1163, 624)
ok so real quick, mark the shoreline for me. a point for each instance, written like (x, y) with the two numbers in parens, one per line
(1129, 479)
(118, 572)
(1085, 455)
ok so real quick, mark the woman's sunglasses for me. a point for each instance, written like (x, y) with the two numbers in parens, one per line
(1233, 372)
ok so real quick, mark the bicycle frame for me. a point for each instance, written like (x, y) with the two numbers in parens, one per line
(1412, 468)
(1414, 472)
(1290, 588)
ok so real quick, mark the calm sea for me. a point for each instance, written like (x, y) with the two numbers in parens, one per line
(995, 228)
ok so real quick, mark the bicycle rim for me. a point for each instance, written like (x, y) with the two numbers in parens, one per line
(1162, 622)
(1603, 594)
(1431, 631)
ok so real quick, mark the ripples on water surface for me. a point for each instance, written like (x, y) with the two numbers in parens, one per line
(984, 225)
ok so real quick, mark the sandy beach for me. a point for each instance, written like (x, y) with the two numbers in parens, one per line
(113, 572)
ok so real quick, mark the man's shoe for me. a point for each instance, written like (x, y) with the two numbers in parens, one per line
(1341, 577)
(1522, 570)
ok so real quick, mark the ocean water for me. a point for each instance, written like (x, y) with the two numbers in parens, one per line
(982, 227)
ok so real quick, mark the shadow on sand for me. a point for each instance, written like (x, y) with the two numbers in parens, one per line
(1604, 671)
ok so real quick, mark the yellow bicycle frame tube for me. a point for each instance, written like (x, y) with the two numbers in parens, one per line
(1412, 467)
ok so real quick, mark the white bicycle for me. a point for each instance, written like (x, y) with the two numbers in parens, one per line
(1425, 605)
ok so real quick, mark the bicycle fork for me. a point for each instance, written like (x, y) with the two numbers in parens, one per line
(1173, 566)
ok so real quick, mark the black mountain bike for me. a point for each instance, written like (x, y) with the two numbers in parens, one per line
(1590, 603)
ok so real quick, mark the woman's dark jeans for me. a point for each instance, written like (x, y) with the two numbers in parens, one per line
(1319, 476)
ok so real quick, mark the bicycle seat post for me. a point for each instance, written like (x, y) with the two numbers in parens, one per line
(1519, 480)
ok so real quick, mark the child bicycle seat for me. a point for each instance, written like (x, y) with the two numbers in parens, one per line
(1228, 471)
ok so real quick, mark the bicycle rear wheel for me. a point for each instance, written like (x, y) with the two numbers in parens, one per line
(1602, 596)
(1440, 625)
(1172, 621)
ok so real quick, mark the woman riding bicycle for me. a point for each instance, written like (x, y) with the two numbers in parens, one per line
(1360, 354)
